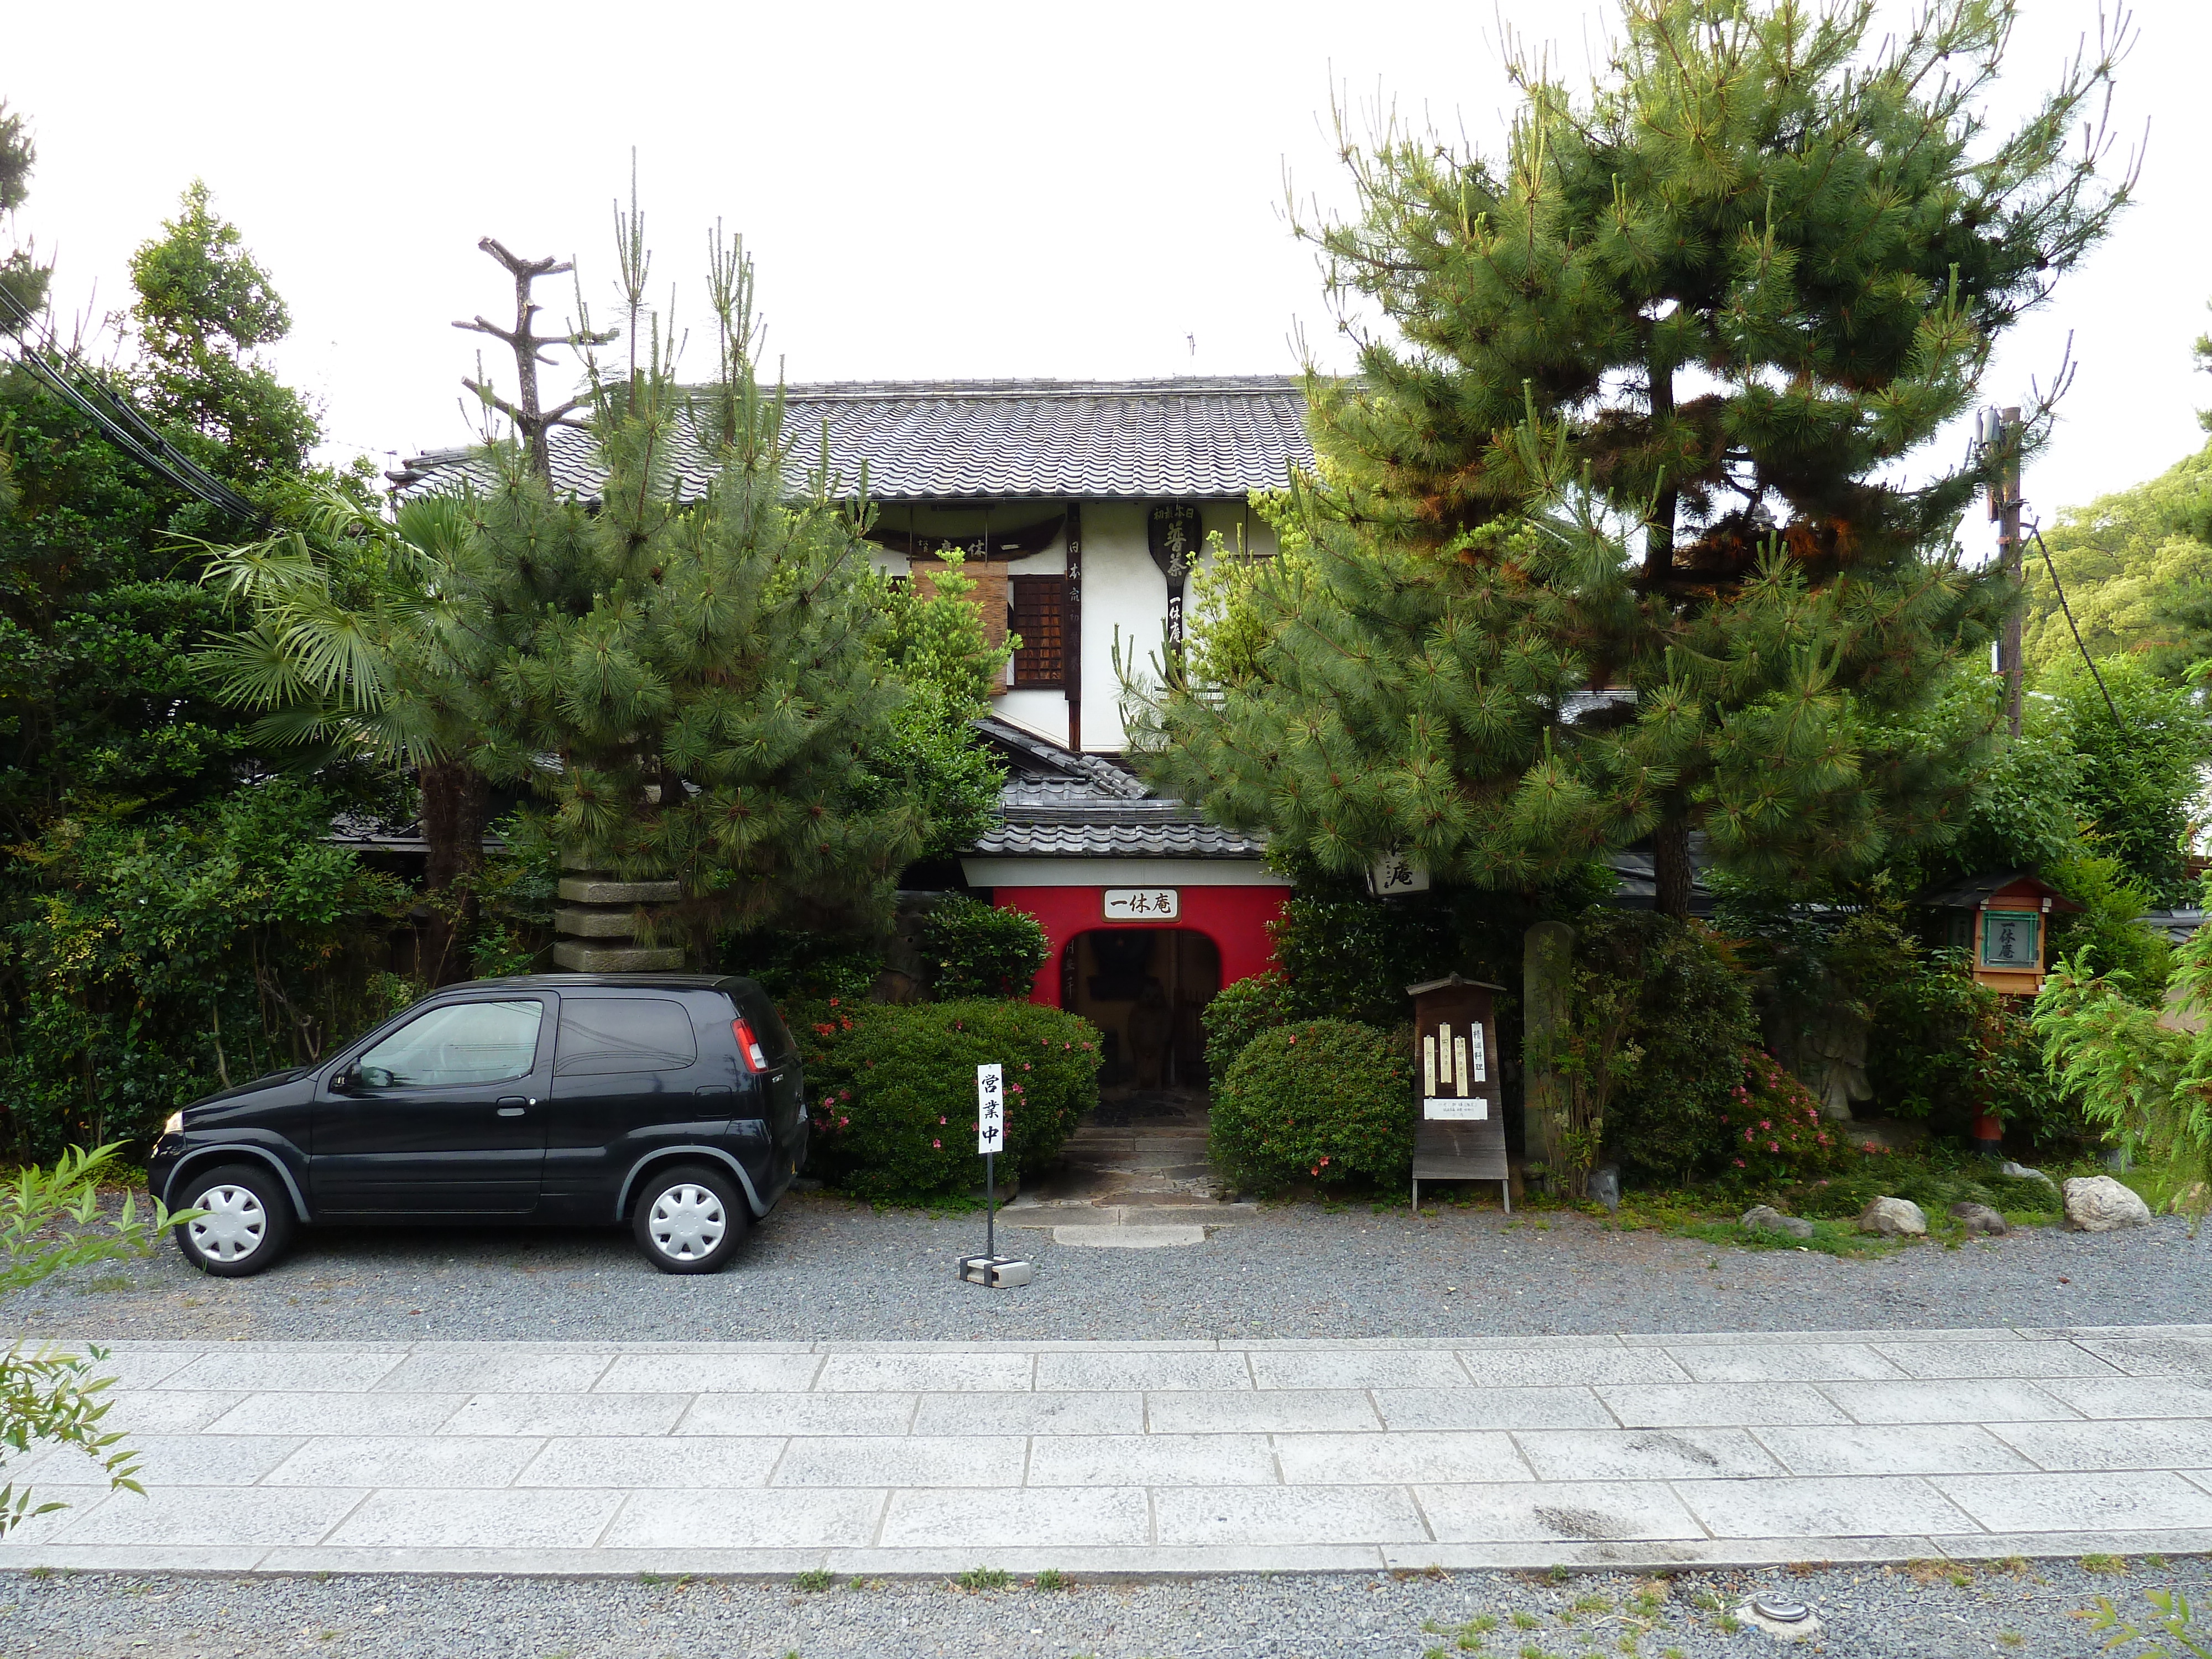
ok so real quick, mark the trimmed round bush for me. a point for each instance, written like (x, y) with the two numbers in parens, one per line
(1238, 1014)
(892, 1095)
(1323, 1100)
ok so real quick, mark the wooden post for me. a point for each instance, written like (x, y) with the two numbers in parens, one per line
(2004, 507)
(1547, 966)
(1071, 628)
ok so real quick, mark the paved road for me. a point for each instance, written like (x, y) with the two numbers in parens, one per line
(879, 1458)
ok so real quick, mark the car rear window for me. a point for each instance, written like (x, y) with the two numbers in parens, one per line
(767, 1025)
(600, 1034)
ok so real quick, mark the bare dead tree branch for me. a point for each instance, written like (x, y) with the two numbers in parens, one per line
(532, 422)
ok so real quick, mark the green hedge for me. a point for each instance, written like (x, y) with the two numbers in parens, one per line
(978, 950)
(1323, 1100)
(891, 1091)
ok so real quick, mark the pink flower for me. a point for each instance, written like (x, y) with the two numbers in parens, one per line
(843, 1121)
(1764, 1125)
(940, 1120)
(937, 1145)
(1773, 1145)
(1739, 1163)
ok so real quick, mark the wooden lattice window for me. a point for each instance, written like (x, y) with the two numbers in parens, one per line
(1037, 609)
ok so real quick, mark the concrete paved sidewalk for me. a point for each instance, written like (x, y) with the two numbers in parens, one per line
(874, 1458)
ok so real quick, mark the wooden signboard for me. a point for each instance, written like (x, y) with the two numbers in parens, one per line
(1460, 1133)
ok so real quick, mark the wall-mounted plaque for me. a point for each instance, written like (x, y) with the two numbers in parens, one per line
(1143, 903)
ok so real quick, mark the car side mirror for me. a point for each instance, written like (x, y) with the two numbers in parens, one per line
(343, 1081)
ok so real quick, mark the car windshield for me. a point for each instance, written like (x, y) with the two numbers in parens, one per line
(462, 1042)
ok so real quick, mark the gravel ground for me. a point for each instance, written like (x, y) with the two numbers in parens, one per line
(821, 1267)
(1872, 1614)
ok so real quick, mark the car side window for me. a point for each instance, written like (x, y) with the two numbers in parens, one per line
(462, 1042)
(602, 1035)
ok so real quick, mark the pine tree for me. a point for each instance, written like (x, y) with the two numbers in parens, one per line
(1715, 301)
(692, 684)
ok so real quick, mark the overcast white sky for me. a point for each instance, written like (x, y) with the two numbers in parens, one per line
(957, 190)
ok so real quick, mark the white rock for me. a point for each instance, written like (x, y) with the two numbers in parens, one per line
(2021, 1172)
(2098, 1204)
(1893, 1216)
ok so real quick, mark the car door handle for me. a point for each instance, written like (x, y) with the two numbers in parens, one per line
(514, 1105)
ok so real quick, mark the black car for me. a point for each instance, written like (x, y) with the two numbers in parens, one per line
(672, 1101)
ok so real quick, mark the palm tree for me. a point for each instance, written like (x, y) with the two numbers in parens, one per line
(339, 656)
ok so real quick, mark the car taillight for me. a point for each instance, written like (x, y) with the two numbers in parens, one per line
(749, 1046)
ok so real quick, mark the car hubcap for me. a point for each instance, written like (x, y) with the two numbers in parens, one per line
(233, 1226)
(688, 1223)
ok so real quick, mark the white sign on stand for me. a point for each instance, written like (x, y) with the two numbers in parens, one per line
(991, 1268)
(990, 1110)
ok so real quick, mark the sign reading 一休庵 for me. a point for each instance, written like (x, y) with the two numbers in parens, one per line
(990, 1109)
(2008, 939)
(1143, 903)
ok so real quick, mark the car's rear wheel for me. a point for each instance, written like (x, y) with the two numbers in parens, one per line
(248, 1224)
(688, 1218)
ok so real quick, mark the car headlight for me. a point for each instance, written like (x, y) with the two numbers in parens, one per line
(174, 1124)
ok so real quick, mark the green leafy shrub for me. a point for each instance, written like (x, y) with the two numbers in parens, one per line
(1323, 1100)
(1353, 957)
(978, 950)
(892, 1092)
(2141, 1084)
(1772, 1129)
(1240, 1012)
(1687, 1027)
(161, 958)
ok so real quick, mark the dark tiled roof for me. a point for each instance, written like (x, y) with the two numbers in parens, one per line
(1060, 805)
(1210, 438)
(1115, 834)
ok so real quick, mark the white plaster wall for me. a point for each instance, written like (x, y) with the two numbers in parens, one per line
(1042, 713)
(1123, 588)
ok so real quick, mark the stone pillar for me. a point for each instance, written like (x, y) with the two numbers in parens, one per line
(1547, 968)
(595, 926)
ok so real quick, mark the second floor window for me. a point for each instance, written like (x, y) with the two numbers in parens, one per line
(1035, 607)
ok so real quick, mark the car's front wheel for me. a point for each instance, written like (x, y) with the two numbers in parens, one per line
(688, 1218)
(247, 1225)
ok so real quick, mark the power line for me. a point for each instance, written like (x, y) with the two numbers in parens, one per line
(2035, 529)
(64, 374)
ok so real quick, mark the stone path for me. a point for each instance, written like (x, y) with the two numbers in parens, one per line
(877, 1458)
(1134, 1176)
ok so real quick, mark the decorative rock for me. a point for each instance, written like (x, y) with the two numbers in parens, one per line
(1604, 1186)
(1764, 1217)
(1980, 1218)
(2021, 1172)
(1893, 1217)
(2098, 1204)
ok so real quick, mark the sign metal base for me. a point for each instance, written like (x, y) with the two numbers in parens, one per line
(998, 1271)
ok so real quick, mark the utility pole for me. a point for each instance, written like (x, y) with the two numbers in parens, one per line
(2001, 429)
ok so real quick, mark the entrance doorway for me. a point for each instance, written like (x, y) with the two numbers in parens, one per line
(1143, 988)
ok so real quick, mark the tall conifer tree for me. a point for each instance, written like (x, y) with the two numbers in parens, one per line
(688, 677)
(1714, 302)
